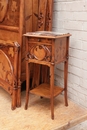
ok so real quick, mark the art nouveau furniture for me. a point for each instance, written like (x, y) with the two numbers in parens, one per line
(47, 48)
(8, 68)
(18, 17)
(11, 26)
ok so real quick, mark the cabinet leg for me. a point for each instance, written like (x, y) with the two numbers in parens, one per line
(65, 82)
(52, 90)
(52, 108)
(27, 84)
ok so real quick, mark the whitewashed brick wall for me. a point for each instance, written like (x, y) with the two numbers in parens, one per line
(70, 16)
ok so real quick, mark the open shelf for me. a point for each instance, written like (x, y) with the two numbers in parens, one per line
(44, 90)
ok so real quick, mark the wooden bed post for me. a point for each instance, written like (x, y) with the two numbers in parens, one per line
(20, 41)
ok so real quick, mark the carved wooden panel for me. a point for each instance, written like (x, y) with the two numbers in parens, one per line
(6, 68)
(9, 12)
(8, 60)
(3, 9)
(42, 15)
(40, 52)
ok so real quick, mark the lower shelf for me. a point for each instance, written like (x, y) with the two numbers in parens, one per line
(44, 90)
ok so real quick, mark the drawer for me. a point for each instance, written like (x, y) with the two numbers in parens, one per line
(40, 40)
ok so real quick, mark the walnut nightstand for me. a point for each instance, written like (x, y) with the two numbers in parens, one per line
(47, 48)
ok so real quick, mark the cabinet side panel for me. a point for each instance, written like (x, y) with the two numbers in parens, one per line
(60, 49)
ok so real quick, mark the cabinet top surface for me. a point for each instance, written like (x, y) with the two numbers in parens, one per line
(47, 34)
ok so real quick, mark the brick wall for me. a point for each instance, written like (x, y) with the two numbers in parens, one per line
(71, 16)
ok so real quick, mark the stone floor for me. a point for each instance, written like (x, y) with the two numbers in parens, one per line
(80, 126)
(37, 116)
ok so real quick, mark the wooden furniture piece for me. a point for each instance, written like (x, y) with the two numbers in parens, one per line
(8, 68)
(47, 48)
(11, 26)
(18, 17)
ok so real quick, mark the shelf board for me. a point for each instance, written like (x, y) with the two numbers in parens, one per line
(44, 90)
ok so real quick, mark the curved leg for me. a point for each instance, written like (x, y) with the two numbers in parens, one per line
(52, 90)
(65, 82)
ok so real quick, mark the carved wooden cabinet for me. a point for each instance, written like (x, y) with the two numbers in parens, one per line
(47, 48)
(18, 17)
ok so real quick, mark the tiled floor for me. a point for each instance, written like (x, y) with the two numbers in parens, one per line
(37, 116)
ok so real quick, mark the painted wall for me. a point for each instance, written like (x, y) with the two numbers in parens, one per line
(70, 16)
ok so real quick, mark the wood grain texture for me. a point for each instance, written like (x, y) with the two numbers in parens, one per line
(44, 90)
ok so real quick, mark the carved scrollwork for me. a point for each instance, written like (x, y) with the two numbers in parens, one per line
(6, 69)
(15, 83)
(40, 20)
(10, 48)
(40, 52)
(48, 20)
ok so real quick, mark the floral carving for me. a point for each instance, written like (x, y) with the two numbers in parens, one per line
(6, 69)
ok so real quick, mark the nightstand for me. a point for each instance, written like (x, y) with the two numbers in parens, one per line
(47, 48)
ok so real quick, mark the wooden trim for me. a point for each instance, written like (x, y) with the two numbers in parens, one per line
(9, 28)
(21, 21)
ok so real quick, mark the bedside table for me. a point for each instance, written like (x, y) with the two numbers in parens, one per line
(47, 48)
